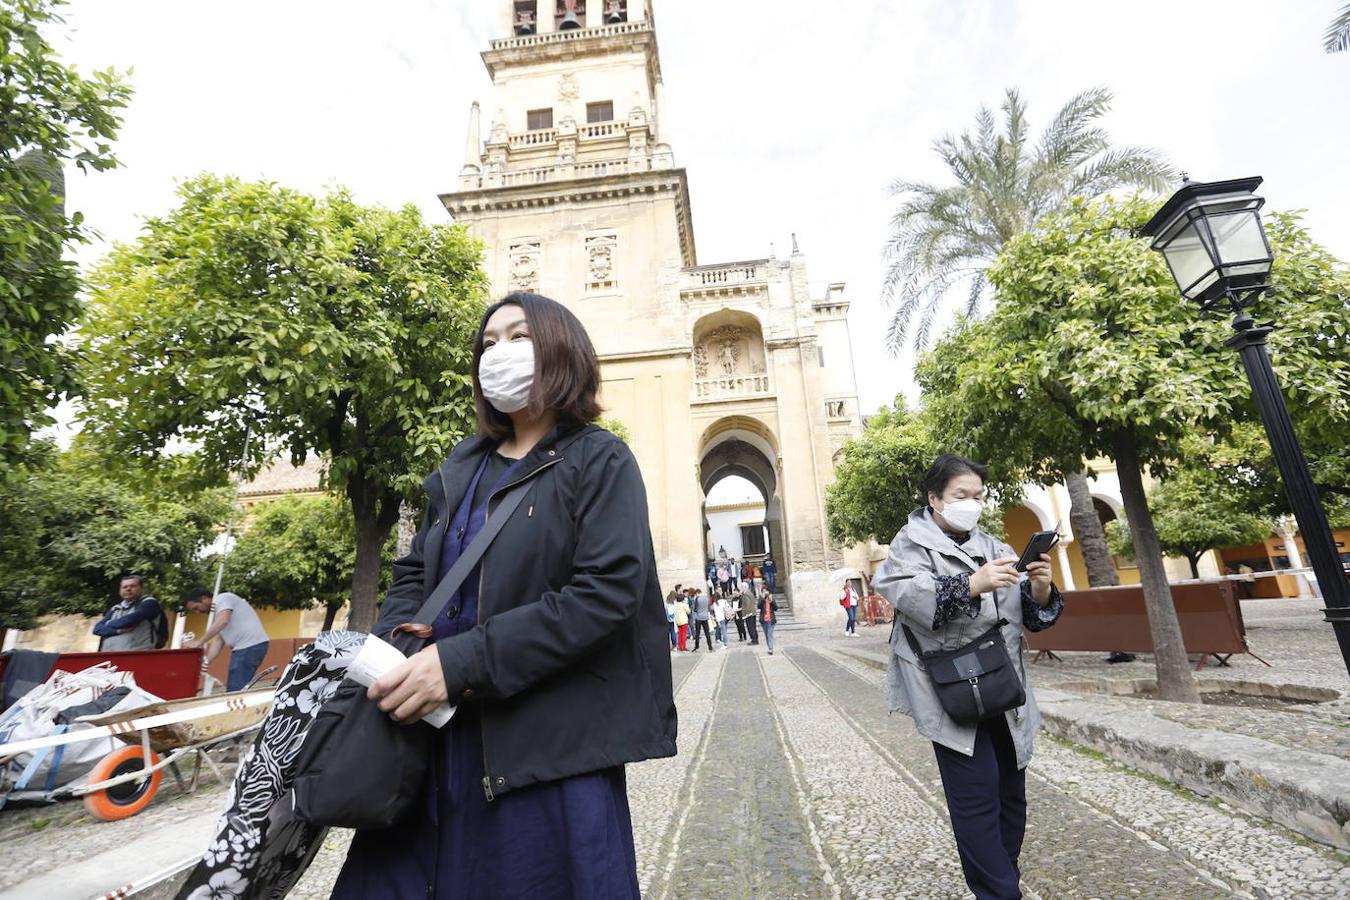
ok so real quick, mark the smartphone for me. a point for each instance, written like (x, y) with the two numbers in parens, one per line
(1040, 542)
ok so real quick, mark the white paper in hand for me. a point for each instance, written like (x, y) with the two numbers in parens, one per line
(378, 657)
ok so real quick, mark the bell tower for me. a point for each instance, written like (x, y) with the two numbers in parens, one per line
(570, 182)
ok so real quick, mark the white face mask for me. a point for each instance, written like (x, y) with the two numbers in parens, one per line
(963, 515)
(506, 374)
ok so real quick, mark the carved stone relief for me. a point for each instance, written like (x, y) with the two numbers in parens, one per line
(600, 261)
(568, 89)
(525, 267)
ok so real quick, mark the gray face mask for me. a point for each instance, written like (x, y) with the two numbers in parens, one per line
(506, 375)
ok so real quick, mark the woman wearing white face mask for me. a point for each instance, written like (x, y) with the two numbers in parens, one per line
(554, 649)
(955, 588)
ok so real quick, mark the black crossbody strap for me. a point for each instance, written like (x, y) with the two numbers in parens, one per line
(471, 555)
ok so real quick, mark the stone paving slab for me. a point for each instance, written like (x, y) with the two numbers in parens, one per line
(1230, 851)
(746, 835)
(1071, 849)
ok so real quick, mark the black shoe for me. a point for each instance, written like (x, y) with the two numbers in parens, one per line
(1119, 657)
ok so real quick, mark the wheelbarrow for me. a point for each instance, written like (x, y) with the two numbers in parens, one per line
(159, 735)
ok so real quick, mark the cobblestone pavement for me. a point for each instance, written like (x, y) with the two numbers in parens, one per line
(794, 782)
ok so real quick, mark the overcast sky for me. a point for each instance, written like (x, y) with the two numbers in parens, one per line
(789, 116)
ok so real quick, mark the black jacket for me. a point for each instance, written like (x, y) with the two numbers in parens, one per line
(571, 656)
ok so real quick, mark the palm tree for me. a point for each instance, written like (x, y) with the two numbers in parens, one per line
(945, 236)
(1337, 37)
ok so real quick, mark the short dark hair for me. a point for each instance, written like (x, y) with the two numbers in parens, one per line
(193, 594)
(945, 468)
(678, 586)
(566, 370)
(136, 578)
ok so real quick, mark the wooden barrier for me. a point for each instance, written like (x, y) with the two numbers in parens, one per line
(1114, 618)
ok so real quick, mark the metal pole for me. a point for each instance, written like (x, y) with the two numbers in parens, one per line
(229, 533)
(1250, 343)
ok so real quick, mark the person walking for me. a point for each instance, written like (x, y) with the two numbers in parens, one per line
(548, 651)
(848, 599)
(721, 607)
(682, 623)
(671, 599)
(234, 625)
(746, 609)
(723, 579)
(770, 572)
(767, 610)
(952, 584)
(738, 617)
(133, 622)
(701, 611)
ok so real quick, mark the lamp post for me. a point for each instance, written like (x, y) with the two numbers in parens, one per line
(1212, 237)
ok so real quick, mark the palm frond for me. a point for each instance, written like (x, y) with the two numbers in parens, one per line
(1337, 37)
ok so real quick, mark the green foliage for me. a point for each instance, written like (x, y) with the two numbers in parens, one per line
(615, 427)
(1194, 511)
(71, 531)
(879, 480)
(296, 552)
(316, 324)
(945, 236)
(1091, 341)
(50, 115)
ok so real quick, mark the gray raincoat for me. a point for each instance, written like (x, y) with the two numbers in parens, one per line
(926, 578)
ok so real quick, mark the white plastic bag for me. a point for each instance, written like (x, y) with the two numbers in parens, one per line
(34, 716)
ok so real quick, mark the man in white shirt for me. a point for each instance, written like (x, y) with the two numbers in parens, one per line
(235, 624)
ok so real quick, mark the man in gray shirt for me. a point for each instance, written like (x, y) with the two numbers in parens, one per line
(130, 623)
(237, 625)
(698, 611)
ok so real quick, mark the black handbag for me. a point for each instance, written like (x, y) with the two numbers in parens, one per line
(975, 682)
(358, 768)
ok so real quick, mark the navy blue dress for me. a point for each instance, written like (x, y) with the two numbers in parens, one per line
(571, 838)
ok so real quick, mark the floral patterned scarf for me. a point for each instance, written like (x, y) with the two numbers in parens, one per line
(260, 848)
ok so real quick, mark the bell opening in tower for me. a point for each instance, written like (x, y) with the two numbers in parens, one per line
(526, 16)
(616, 11)
(569, 16)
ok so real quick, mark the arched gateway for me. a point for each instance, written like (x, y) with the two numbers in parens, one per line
(733, 368)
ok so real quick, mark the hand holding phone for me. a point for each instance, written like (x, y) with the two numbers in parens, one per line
(1041, 542)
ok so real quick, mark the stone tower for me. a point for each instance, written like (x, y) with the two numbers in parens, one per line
(730, 368)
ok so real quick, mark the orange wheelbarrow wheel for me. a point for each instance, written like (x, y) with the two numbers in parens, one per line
(128, 798)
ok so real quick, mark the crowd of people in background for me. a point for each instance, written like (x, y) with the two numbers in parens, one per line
(710, 614)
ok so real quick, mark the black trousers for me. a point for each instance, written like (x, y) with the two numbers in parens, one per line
(702, 625)
(740, 628)
(750, 627)
(987, 802)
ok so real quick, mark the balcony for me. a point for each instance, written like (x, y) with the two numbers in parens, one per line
(538, 138)
(559, 37)
(724, 275)
(611, 129)
(731, 387)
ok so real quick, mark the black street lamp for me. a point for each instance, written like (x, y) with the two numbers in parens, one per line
(1211, 235)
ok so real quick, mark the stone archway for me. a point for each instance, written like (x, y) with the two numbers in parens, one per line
(746, 448)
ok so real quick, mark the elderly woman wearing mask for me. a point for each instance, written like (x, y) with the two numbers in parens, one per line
(951, 583)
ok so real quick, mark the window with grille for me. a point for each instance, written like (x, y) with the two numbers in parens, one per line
(752, 539)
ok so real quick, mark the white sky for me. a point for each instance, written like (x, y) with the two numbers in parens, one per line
(790, 116)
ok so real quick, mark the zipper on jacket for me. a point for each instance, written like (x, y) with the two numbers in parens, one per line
(482, 571)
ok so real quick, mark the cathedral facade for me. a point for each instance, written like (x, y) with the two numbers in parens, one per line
(719, 369)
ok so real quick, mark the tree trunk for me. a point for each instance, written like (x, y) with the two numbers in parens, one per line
(1175, 680)
(375, 513)
(330, 612)
(1195, 564)
(407, 529)
(1088, 531)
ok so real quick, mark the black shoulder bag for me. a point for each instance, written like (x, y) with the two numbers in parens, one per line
(358, 768)
(975, 682)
